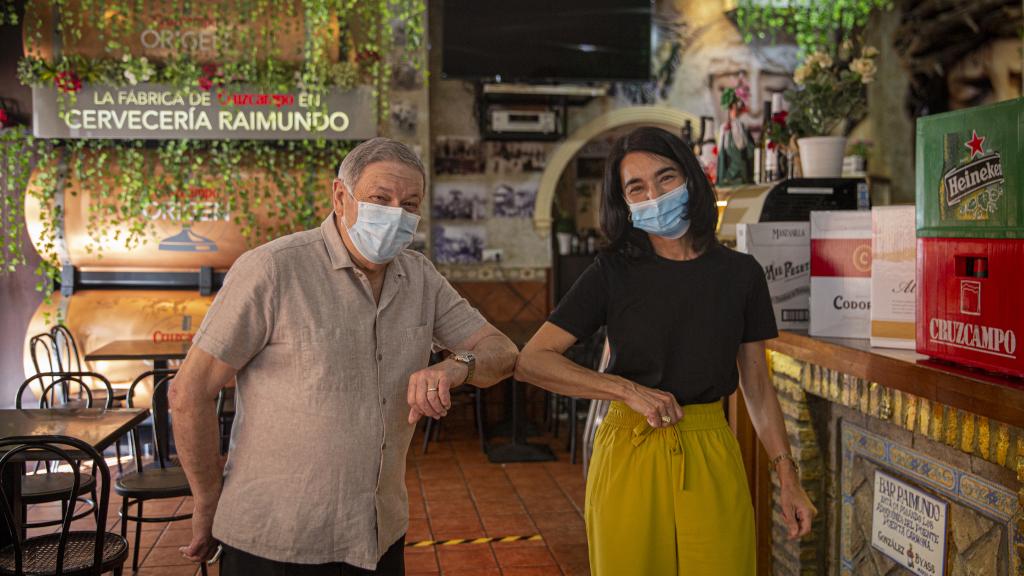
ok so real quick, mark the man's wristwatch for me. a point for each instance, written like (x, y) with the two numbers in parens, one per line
(469, 359)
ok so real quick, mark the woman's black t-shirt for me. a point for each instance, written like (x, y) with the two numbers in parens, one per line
(673, 325)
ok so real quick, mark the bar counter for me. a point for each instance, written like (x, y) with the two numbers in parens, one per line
(986, 394)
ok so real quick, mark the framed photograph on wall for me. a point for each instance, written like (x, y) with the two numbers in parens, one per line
(515, 199)
(458, 155)
(456, 244)
(459, 201)
(516, 157)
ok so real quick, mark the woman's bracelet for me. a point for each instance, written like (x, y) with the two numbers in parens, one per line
(784, 456)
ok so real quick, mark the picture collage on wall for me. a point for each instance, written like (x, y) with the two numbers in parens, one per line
(475, 181)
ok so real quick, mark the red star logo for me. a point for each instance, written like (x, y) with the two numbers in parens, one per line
(975, 144)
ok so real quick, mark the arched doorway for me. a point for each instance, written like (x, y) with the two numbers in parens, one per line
(665, 117)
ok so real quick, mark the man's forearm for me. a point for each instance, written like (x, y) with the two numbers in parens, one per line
(495, 360)
(197, 439)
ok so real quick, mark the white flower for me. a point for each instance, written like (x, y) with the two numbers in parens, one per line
(126, 58)
(800, 74)
(845, 49)
(866, 68)
(819, 60)
(131, 77)
(869, 52)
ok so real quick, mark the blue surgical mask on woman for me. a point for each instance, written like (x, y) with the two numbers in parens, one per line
(381, 232)
(663, 216)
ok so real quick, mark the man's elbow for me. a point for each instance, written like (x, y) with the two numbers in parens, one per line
(176, 399)
(505, 361)
(179, 397)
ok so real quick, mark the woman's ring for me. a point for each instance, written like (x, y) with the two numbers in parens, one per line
(666, 419)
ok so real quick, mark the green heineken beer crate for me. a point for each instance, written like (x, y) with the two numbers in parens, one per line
(970, 173)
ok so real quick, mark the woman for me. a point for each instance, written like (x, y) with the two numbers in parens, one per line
(666, 491)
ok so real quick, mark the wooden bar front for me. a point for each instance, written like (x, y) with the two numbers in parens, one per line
(971, 392)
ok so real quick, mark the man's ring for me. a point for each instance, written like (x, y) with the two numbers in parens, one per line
(666, 419)
(432, 389)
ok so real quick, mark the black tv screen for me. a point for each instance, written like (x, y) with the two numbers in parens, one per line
(547, 40)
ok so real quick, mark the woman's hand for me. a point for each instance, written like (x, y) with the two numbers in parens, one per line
(797, 510)
(659, 407)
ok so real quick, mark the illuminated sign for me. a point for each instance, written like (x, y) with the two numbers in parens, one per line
(160, 112)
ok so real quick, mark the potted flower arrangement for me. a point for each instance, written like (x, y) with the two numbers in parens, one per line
(829, 94)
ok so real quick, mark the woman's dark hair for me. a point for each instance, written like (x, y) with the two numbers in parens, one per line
(702, 207)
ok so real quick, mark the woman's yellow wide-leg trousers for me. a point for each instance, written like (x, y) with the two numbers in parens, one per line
(668, 501)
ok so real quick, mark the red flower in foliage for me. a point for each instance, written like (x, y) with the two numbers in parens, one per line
(68, 82)
(3, 118)
(780, 117)
(368, 55)
(772, 145)
(210, 70)
(211, 76)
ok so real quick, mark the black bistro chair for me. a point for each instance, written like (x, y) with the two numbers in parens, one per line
(53, 486)
(43, 351)
(70, 360)
(162, 480)
(65, 552)
(586, 353)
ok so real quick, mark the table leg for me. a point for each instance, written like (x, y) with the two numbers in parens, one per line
(505, 427)
(161, 430)
(519, 450)
(11, 478)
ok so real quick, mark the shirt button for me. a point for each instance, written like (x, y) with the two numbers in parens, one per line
(384, 446)
(384, 401)
(380, 357)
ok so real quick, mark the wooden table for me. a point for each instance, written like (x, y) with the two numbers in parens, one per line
(157, 352)
(97, 427)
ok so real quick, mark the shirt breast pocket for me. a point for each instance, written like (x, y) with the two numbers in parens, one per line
(334, 362)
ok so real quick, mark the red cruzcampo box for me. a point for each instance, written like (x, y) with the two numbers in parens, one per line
(970, 315)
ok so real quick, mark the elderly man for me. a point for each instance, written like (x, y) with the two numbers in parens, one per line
(328, 333)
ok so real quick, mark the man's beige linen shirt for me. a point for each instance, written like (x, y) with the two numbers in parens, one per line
(316, 470)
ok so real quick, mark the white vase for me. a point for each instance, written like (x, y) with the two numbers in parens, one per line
(564, 243)
(822, 156)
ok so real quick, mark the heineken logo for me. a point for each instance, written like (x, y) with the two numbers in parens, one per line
(973, 187)
(972, 177)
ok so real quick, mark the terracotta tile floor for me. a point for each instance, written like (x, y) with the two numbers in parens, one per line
(454, 493)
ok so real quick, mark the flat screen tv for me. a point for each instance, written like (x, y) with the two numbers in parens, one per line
(547, 40)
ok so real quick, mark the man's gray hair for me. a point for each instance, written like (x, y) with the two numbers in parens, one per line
(376, 150)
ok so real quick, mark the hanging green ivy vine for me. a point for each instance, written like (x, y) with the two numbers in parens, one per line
(268, 188)
(816, 25)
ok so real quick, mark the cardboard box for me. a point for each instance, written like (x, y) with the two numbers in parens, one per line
(841, 274)
(970, 173)
(784, 251)
(893, 277)
(969, 302)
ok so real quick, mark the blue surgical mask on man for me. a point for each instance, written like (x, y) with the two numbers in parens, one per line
(381, 232)
(663, 216)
